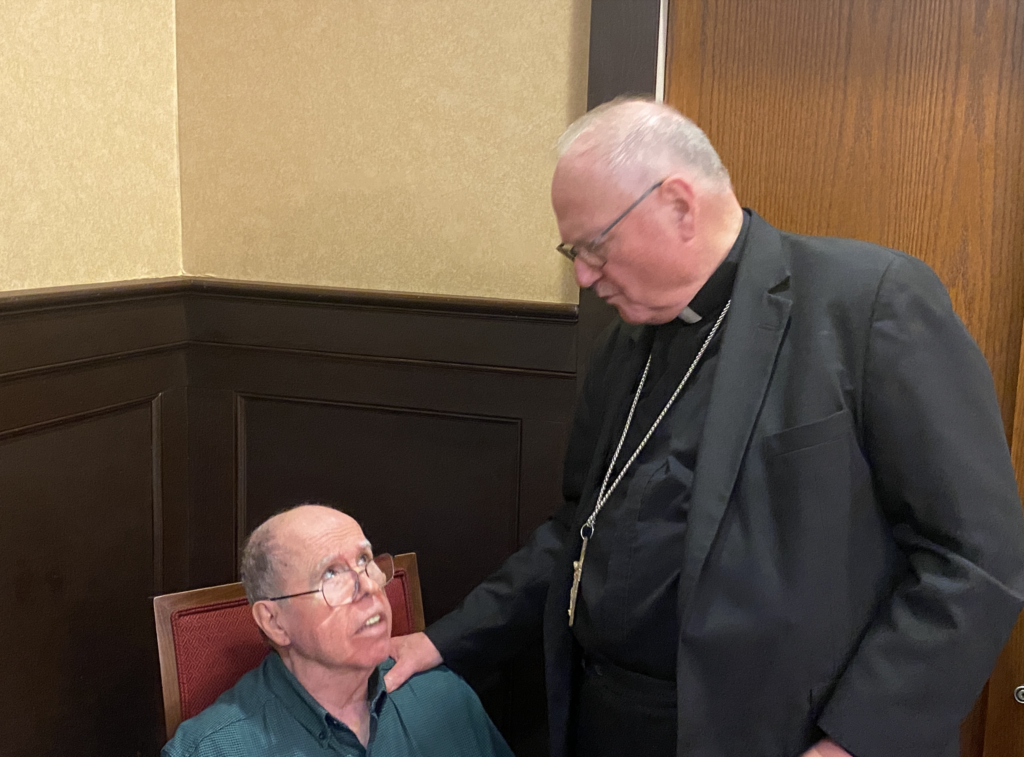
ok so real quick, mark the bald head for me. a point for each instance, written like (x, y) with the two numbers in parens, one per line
(641, 141)
(282, 539)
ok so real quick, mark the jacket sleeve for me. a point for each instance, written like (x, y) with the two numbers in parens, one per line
(505, 612)
(501, 615)
(934, 439)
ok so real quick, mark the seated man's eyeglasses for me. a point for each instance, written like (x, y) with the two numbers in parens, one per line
(340, 584)
(587, 251)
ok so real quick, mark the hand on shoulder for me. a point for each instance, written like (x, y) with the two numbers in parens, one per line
(826, 748)
(413, 654)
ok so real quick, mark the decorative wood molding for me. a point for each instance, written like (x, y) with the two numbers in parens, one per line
(55, 297)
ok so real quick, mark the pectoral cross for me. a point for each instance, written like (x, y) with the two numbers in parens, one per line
(577, 574)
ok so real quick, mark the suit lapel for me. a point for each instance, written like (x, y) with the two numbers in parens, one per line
(754, 330)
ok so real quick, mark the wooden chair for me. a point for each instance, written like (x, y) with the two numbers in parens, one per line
(207, 638)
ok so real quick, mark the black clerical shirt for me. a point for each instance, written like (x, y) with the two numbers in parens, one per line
(627, 612)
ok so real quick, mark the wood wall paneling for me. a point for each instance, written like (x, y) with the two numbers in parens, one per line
(170, 445)
(82, 551)
(54, 330)
(499, 362)
(900, 123)
(91, 403)
(223, 377)
(461, 331)
(446, 483)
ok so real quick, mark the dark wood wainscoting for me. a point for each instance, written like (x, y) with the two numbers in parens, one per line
(146, 428)
(93, 491)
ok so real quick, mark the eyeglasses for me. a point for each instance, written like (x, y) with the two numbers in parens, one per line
(341, 586)
(587, 251)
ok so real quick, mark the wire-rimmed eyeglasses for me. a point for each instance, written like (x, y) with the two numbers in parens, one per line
(587, 251)
(340, 586)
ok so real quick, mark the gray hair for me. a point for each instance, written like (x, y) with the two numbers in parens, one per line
(259, 554)
(640, 140)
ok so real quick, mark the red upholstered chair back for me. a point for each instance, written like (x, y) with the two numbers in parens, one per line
(207, 638)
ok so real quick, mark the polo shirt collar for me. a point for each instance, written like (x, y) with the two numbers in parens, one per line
(309, 713)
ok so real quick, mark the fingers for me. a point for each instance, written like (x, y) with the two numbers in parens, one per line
(397, 676)
(826, 748)
(413, 654)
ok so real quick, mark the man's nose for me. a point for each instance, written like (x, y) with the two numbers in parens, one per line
(366, 585)
(586, 276)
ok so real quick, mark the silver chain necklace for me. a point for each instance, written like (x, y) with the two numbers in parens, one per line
(587, 530)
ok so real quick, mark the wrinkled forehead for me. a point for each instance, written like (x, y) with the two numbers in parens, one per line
(311, 542)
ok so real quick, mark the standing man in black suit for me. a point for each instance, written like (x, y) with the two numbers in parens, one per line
(791, 525)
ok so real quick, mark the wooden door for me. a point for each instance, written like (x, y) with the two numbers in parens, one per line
(899, 122)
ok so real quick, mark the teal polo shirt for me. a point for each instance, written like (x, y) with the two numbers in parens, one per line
(268, 712)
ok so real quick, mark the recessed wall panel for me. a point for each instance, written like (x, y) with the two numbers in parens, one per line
(77, 556)
(441, 485)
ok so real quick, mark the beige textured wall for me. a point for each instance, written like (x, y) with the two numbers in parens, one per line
(89, 187)
(398, 145)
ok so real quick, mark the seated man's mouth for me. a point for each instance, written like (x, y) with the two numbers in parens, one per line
(372, 620)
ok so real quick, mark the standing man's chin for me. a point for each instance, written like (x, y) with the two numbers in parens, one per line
(629, 315)
(636, 317)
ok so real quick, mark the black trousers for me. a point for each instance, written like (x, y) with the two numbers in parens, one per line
(620, 712)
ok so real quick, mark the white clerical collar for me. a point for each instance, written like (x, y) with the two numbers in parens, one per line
(689, 316)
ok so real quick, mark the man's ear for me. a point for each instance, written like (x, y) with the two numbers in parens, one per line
(681, 195)
(268, 617)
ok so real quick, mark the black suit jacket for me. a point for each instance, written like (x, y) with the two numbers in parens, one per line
(854, 556)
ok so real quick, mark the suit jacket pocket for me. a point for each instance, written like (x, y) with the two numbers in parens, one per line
(809, 434)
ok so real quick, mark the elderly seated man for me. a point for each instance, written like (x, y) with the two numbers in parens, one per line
(318, 595)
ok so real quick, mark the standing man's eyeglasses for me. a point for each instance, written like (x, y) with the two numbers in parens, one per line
(341, 587)
(587, 251)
